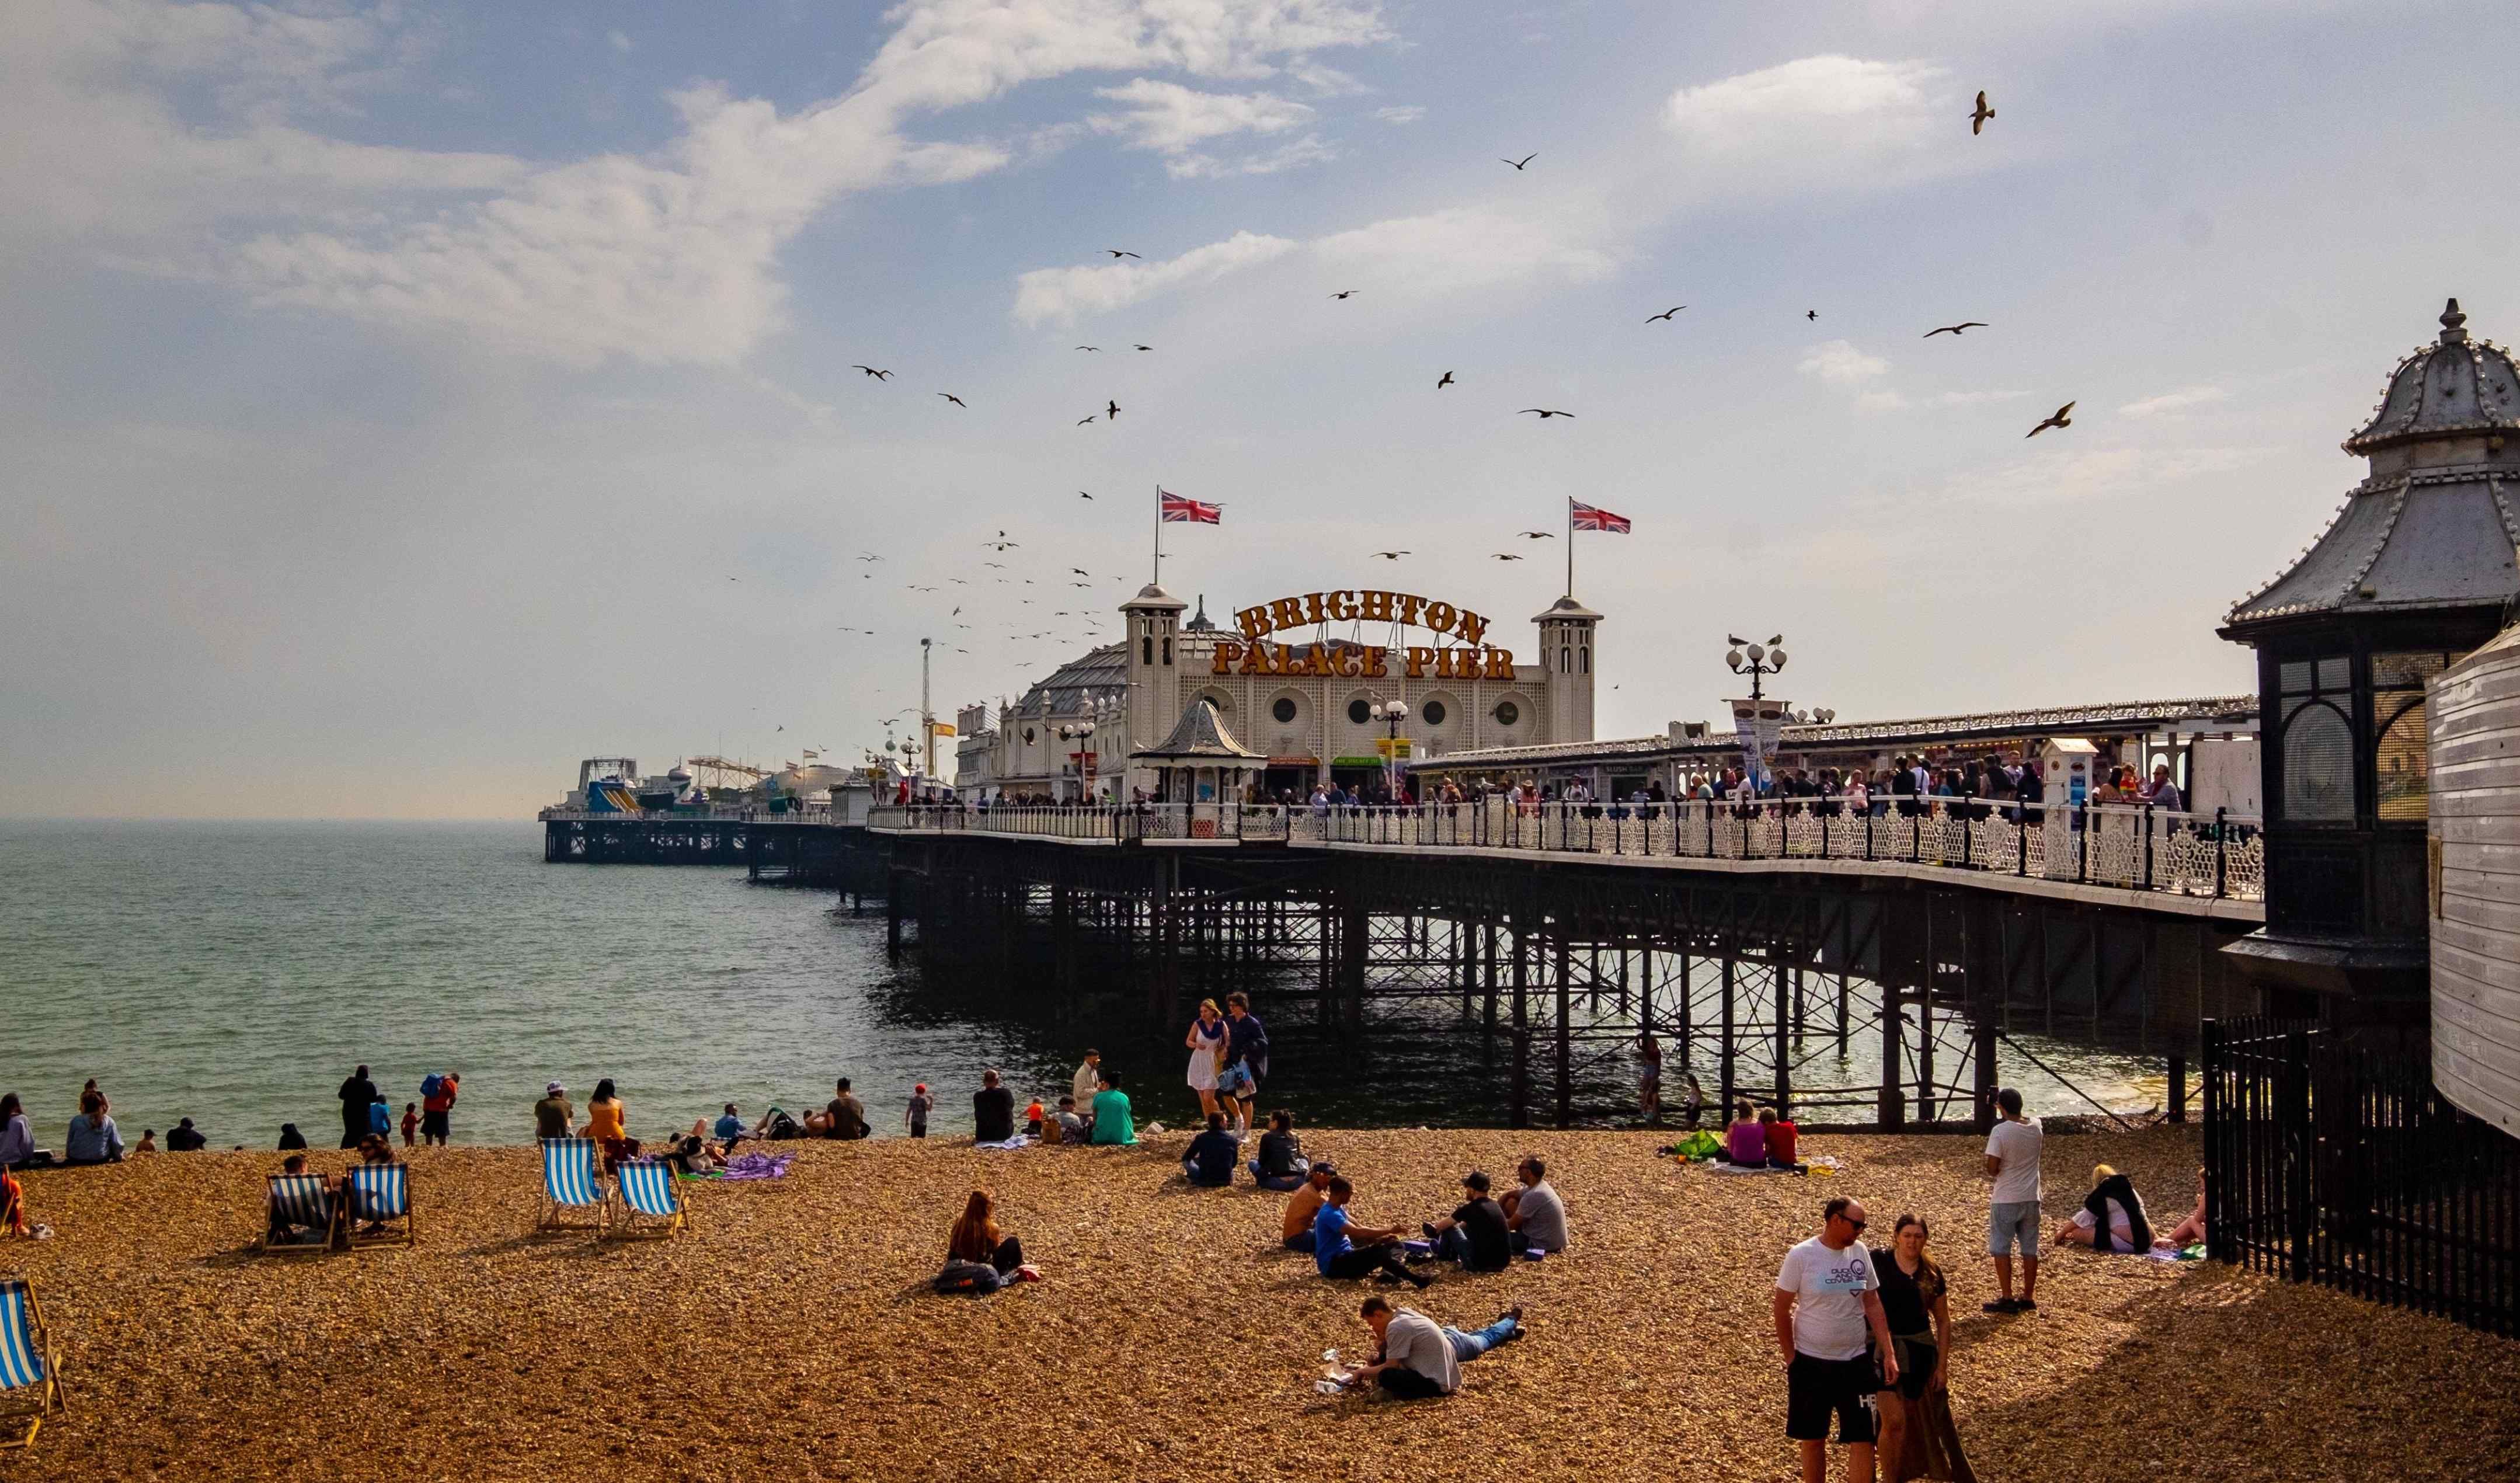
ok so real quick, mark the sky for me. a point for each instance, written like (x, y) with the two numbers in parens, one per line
(402, 402)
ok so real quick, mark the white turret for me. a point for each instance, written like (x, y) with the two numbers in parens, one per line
(1567, 632)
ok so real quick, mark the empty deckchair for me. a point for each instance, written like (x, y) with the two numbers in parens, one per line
(571, 1183)
(295, 1202)
(30, 1373)
(380, 1193)
(651, 1203)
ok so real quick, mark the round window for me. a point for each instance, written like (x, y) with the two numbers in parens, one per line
(1433, 712)
(1360, 711)
(1508, 713)
(1284, 710)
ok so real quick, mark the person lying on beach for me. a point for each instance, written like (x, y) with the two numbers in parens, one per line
(1296, 1232)
(1534, 1212)
(1416, 1358)
(1209, 1164)
(1474, 1234)
(2112, 1197)
(1281, 1162)
(1343, 1251)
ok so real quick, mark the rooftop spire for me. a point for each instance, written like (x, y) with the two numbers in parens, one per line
(2453, 325)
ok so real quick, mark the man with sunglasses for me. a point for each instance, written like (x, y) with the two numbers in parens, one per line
(1836, 1341)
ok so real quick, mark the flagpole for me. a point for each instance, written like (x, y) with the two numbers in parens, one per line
(1160, 535)
(1570, 546)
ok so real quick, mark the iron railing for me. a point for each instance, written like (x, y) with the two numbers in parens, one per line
(1111, 824)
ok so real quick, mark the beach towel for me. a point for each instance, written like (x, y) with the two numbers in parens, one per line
(1020, 1140)
(1745, 1169)
(758, 1166)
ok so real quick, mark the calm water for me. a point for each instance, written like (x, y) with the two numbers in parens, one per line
(234, 973)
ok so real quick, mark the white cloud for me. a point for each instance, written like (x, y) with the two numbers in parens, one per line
(1459, 248)
(2181, 400)
(1840, 364)
(667, 255)
(1815, 121)
(1882, 400)
(1171, 119)
(1309, 149)
(1061, 294)
(1409, 112)
(620, 40)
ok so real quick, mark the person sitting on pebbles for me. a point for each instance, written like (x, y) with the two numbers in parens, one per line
(2114, 1200)
(1296, 1232)
(1416, 1358)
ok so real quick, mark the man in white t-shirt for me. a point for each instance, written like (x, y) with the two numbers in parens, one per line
(2012, 1162)
(1836, 1341)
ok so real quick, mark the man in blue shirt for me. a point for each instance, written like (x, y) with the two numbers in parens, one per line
(1209, 1164)
(1344, 1250)
(1246, 1049)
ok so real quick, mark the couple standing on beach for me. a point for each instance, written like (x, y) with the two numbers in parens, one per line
(1228, 1055)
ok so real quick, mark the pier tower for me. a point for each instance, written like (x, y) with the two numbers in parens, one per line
(1154, 675)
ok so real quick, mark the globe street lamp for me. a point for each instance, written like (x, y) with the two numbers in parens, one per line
(1756, 660)
(1394, 713)
(1080, 733)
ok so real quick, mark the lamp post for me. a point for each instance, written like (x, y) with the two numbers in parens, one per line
(1081, 733)
(1393, 712)
(1758, 661)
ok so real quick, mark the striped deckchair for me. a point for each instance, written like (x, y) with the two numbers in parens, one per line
(299, 1199)
(571, 1183)
(651, 1203)
(380, 1193)
(30, 1373)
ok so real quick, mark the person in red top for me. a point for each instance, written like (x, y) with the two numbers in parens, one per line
(434, 1125)
(410, 1124)
(1780, 1133)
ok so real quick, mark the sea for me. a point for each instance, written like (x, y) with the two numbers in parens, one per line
(236, 972)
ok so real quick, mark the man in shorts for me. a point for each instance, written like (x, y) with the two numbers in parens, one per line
(1836, 1341)
(2012, 1162)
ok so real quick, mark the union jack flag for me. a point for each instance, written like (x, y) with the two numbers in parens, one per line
(1179, 511)
(1583, 517)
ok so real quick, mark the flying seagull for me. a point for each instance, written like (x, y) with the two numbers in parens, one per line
(1445, 382)
(2063, 418)
(1536, 535)
(1082, 421)
(1502, 556)
(1667, 313)
(1112, 411)
(951, 397)
(871, 370)
(1146, 347)
(1089, 347)
(1391, 556)
(1081, 494)
(1968, 324)
(1116, 252)
(1343, 292)
(864, 558)
(1520, 163)
(1544, 413)
(1977, 120)
(1810, 314)
(1080, 571)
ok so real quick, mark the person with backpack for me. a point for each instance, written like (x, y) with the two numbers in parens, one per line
(437, 1091)
(979, 1257)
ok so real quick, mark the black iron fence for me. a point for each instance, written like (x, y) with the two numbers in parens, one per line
(2326, 1163)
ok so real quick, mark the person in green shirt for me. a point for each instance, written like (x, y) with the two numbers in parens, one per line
(1113, 1123)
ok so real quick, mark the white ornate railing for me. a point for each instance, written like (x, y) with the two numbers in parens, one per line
(2129, 847)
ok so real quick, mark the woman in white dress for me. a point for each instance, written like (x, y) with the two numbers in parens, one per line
(1206, 1042)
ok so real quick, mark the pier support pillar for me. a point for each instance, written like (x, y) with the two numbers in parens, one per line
(892, 914)
(1566, 1028)
(1521, 1092)
(1891, 1109)
(1786, 1024)
(1723, 1051)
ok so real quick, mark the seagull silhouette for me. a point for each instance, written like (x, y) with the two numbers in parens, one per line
(2062, 418)
(1544, 413)
(1390, 556)
(1968, 324)
(1445, 382)
(1504, 556)
(1146, 347)
(1080, 571)
(1081, 494)
(1116, 252)
(871, 370)
(1082, 421)
(951, 397)
(1810, 314)
(1001, 565)
(1520, 163)
(1977, 120)
(1343, 294)
(1112, 411)
(1667, 313)
(1089, 347)
(864, 558)
(1536, 535)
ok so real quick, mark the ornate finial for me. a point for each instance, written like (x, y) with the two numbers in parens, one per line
(2453, 325)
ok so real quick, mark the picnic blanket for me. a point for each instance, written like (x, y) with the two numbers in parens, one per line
(758, 1166)
(1020, 1140)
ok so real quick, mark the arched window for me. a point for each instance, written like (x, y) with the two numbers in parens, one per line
(1565, 660)
(2318, 764)
(1588, 658)
(1168, 648)
(1147, 648)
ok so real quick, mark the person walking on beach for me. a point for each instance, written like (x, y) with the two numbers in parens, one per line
(1649, 1079)
(554, 1117)
(357, 1093)
(1246, 1051)
(1336, 1251)
(1206, 1042)
(1831, 1332)
(438, 1106)
(915, 1116)
(993, 1111)
(2012, 1152)
(1916, 1305)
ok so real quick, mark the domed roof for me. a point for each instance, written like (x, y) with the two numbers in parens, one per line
(2453, 386)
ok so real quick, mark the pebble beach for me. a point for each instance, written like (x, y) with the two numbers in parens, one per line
(790, 1332)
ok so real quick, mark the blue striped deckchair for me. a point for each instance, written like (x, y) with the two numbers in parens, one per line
(300, 1200)
(30, 1373)
(571, 1183)
(651, 1204)
(380, 1193)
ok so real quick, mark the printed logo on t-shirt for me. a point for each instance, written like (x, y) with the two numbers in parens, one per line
(1853, 1274)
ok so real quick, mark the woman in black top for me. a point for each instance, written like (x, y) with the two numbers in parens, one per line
(1914, 1303)
(1281, 1164)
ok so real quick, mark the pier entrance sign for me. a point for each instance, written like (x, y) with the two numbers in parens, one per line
(1470, 659)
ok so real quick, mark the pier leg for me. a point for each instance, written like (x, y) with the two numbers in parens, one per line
(1521, 1092)
(1785, 1025)
(1892, 1110)
(1926, 1100)
(2178, 1089)
(1982, 1050)
(1566, 1031)
(1488, 973)
(892, 914)
(1354, 931)
(1724, 1052)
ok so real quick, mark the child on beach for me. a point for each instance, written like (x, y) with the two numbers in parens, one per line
(410, 1123)
(915, 1114)
(1032, 1117)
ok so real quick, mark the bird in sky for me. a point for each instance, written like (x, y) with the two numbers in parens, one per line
(1390, 556)
(863, 557)
(2062, 418)
(1081, 494)
(1810, 314)
(951, 397)
(959, 581)
(1116, 252)
(734, 579)
(915, 587)
(1082, 421)
(1112, 411)
(1536, 535)
(1001, 565)
(1977, 119)
(1445, 382)
(871, 370)
(1089, 347)
(1667, 313)
(1504, 556)
(1080, 571)
(1520, 163)
(1344, 293)
(1080, 584)
(1146, 347)
(1001, 543)
(1966, 324)
(1546, 412)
